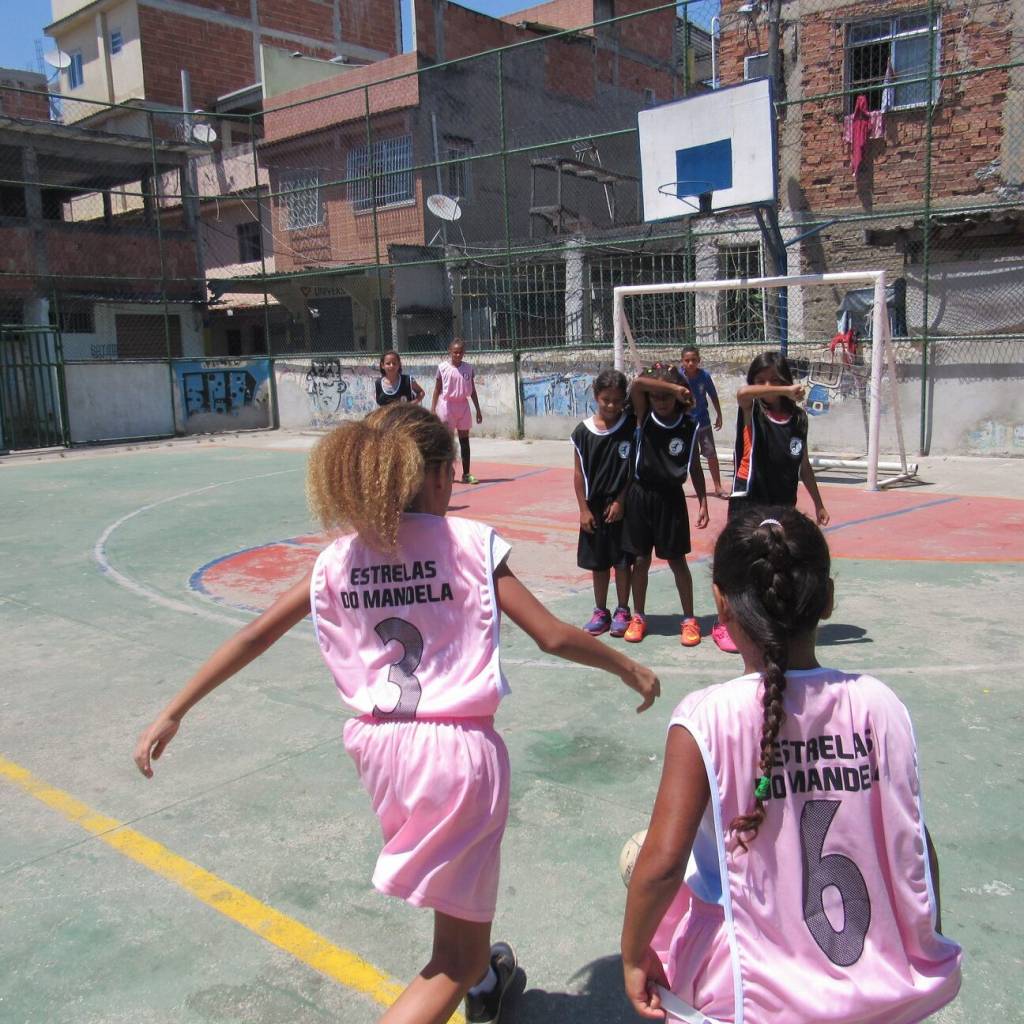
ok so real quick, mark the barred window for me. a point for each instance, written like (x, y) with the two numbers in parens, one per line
(73, 316)
(302, 202)
(389, 174)
(894, 47)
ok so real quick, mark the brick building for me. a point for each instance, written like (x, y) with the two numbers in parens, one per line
(100, 280)
(345, 197)
(956, 165)
(23, 95)
(133, 51)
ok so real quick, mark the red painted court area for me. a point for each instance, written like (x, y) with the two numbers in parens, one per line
(534, 508)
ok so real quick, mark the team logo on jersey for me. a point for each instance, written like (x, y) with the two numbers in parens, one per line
(675, 446)
(624, 450)
(796, 447)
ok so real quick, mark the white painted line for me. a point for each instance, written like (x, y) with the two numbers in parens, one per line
(148, 593)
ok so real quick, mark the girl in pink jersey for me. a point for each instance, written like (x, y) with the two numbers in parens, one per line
(407, 610)
(454, 389)
(787, 874)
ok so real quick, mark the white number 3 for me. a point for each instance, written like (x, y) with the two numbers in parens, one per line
(401, 672)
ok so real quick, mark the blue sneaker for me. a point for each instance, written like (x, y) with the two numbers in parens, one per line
(620, 621)
(599, 622)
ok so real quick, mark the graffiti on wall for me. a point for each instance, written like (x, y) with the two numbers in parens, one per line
(326, 388)
(224, 393)
(992, 436)
(558, 394)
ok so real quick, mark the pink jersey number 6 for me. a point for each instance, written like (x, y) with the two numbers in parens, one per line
(409, 638)
(845, 945)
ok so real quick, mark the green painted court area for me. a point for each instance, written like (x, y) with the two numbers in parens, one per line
(234, 886)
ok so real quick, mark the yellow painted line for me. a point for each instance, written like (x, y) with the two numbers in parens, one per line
(278, 929)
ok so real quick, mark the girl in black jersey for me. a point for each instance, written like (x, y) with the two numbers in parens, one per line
(602, 469)
(656, 517)
(393, 385)
(771, 448)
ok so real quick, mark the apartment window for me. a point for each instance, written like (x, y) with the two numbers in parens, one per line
(302, 202)
(76, 76)
(74, 316)
(392, 178)
(741, 313)
(895, 46)
(757, 66)
(250, 248)
(457, 175)
(650, 97)
(116, 41)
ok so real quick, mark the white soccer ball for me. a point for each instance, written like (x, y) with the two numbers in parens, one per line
(629, 854)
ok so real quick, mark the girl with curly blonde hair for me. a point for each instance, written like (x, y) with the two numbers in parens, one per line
(406, 606)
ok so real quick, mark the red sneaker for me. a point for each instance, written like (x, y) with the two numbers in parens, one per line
(689, 632)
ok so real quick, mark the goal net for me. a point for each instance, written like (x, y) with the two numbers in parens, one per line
(849, 377)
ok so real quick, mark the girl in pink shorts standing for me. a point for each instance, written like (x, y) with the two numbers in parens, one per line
(407, 608)
(454, 389)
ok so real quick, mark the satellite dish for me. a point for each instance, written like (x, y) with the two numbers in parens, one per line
(445, 207)
(205, 133)
(58, 59)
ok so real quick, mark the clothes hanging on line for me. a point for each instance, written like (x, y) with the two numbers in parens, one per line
(859, 127)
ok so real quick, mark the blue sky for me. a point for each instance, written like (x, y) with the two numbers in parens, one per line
(24, 20)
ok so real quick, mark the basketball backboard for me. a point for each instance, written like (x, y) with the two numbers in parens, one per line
(721, 142)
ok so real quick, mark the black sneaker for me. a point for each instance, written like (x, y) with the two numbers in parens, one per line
(486, 1007)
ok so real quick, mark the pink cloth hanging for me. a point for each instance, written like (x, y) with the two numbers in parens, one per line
(858, 127)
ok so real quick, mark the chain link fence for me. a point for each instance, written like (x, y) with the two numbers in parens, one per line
(495, 196)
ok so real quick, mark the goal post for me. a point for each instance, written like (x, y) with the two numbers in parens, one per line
(883, 358)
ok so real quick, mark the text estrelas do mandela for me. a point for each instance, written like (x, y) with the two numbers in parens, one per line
(395, 585)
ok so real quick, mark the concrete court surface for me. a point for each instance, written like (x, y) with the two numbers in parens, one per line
(234, 886)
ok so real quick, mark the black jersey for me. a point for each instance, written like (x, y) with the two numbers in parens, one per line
(605, 456)
(403, 393)
(664, 451)
(776, 452)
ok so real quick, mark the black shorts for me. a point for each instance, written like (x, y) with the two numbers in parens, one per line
(602, 549)
(656, 519)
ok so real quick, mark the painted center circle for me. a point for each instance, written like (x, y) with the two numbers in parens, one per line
(252, 578)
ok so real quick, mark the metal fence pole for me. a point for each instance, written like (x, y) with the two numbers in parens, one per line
(372, 185)
(925, 439)
(513, 327)
(275, 413)
(154, 198)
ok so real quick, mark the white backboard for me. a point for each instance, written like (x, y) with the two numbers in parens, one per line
(722, 142)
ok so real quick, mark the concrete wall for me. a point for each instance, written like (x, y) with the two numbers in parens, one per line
(320, 392)
(976, 408)
(108, 401)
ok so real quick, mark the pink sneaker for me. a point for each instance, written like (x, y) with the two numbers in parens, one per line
(599, 622)
(721, 637)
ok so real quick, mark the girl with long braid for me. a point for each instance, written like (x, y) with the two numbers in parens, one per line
(787, 874)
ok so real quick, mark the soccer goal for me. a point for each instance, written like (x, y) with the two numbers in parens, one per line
(734, 319)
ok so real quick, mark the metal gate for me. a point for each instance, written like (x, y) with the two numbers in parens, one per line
(33, 403)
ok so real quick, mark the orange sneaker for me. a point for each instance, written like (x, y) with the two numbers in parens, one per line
(636, 630)
(689, 632)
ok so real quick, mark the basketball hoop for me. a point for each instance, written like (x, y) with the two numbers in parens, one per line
(695, 195)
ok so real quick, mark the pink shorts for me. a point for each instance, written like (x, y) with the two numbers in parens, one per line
(455, 413)
(693, 945)
(440, 790)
